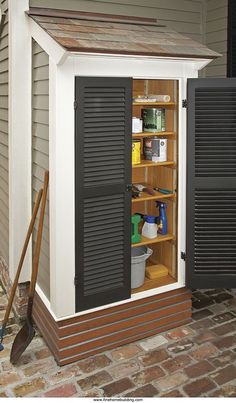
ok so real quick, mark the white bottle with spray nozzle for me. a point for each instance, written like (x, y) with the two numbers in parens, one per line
(150, 227)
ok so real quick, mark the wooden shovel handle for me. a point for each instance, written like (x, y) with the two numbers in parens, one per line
(38, 239)
(23, 253)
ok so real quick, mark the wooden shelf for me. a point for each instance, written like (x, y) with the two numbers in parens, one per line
(162, 104)
(151, 134)
(148, 241)
(145, 197)
(146, 163)
(158, 282)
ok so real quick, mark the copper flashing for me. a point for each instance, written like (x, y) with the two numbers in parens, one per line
(49, 12)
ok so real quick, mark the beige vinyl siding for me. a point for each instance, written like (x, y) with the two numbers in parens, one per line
(216, 36)
(40, 150)
(185, 16)
(4, 188)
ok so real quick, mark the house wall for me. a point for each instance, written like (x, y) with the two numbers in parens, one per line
(4, 183)
(40, 150)
(216, 36)
(185, 16)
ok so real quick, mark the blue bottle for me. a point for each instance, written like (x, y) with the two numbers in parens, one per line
(162, 229)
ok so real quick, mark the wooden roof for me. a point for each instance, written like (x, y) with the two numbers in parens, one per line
(102, 33)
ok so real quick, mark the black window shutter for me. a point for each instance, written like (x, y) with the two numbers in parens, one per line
(103, 129)
(231, 39)
(211, 183)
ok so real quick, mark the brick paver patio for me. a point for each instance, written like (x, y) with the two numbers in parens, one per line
(195, 360)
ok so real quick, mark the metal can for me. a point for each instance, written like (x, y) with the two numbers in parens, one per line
(155, 149)
(136, 152)
(153, 120)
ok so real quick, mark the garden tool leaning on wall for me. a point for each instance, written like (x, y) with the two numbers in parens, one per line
(23, 253)
(27, 332)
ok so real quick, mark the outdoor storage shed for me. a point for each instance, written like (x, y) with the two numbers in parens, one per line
(91, 74)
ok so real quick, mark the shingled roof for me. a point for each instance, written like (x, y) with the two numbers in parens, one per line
(102, 33)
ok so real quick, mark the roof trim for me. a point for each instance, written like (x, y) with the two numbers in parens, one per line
(83, 15)
(130, 53)
(49, 45)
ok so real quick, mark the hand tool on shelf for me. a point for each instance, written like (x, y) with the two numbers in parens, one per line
(26, 333)
(164, 191)
(22, 258)
(135, 192)
(147, 189)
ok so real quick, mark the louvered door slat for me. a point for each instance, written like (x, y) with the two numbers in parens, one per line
(211, 183)
(103, 205)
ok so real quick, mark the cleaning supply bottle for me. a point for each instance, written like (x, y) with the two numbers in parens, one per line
(135, 236)
(149, 229)
(162, 229)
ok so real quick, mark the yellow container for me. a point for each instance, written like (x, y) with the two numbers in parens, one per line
(136, 152)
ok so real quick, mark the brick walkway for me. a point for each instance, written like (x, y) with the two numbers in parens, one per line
(195, 360)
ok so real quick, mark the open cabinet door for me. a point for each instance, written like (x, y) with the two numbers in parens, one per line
(103, 126)
(211, 183)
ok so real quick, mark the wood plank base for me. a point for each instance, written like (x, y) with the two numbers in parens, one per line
(82, 336)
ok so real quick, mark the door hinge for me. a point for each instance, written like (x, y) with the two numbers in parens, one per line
(75, 105)
(184, 103)
(183, 256)
(76, 281)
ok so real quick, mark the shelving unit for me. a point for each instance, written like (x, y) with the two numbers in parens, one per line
(162, 175)
(158, 282)
(145, 163)
(157, 104)
(147, 197)
(148, 241)
(150, 134)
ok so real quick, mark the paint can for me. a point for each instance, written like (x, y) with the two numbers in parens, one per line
(155, 149)
(153, 120)
(136, 152)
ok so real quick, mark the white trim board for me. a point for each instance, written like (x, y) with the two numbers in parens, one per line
(49, 45)
(19, 135)
(134, 297)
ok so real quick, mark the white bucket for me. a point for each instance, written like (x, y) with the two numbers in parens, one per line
(139, 256)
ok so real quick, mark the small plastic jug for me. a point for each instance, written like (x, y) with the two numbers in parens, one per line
(150, 227)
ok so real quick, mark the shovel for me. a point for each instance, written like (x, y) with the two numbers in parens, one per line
(27, 332)
(23, 253)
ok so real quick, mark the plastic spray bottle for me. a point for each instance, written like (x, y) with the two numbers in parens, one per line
(162, 229)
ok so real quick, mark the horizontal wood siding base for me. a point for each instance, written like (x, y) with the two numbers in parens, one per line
(79, 337)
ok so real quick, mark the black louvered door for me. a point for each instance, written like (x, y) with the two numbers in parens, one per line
(231, 39)
(211, 183)
(102, 192)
